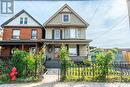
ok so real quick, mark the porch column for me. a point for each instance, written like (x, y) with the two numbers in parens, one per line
(36, 48)
(22, 47)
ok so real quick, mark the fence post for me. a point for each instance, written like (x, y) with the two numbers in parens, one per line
(35, 68)
(93, 69)
(121, 70)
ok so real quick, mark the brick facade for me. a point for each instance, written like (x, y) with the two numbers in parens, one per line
(25, 33)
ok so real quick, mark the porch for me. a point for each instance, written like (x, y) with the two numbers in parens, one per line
(8, 47)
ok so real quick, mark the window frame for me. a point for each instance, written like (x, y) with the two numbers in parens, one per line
(32, 34)
(16, 35)
(26, 21)
(21, 20)
(73, 52)
(59, 34)
(68, 18)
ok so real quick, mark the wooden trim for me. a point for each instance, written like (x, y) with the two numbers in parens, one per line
(64, 26)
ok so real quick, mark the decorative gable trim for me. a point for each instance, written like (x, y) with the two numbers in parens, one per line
(59, 11)
(18, 14)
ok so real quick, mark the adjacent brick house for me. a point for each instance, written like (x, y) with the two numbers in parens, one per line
(23, 32)
(66, 27)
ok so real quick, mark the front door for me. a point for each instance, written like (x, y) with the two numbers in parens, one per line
(57, 52)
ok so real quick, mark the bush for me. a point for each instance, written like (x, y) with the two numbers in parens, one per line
(24, 62)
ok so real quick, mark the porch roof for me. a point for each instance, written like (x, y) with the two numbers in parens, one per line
(50, 41)
(19, 42)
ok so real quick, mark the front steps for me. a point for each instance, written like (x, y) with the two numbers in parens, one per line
(52, 63)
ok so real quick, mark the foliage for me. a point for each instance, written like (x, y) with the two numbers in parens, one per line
(65, 60)
(104, 58)
(20, 61)
(87, 62)
(39, 59)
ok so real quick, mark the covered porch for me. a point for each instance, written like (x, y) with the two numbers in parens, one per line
(8, 47)
(78, 49)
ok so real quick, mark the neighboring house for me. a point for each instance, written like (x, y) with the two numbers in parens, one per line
(21, 31)
(0, 38)
(68, 28)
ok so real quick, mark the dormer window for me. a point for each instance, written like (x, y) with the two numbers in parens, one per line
(66, 18)
(23, 20)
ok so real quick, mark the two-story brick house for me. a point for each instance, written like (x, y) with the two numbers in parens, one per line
(21, 31)
(66, 27)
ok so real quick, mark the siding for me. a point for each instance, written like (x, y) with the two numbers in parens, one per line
(83, 50)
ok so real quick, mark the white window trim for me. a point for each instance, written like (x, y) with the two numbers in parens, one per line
(55, 34)
(63, 17)
(13, 34)
(72, 48)
(23, 21)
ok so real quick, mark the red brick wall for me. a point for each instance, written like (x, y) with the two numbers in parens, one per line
(25, 33)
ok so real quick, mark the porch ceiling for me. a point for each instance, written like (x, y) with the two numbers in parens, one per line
(85, 42)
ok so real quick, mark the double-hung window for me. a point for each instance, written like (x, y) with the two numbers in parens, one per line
(16, 34)
(72, 33)
(57, 34)
(34, 34)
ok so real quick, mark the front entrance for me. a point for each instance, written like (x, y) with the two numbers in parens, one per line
(57, 52)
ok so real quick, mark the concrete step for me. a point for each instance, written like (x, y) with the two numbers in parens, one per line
(52, 64)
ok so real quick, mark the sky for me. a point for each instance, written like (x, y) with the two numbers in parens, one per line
(108, 19)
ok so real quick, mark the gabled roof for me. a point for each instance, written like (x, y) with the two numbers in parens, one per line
(61, 10)
(18, 14)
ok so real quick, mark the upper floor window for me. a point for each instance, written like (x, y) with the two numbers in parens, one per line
(23, 20)
(72, 33)
(66, 18)
(57, 34)
(34, 34)
(16, 34)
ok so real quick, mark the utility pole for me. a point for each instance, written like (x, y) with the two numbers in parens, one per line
(128, 5)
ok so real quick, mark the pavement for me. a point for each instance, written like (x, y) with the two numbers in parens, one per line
(51, 79)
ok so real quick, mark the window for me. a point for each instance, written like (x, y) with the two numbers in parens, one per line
(73, 50)
(16, 34)
(13, 50)
(34, 34)
(23, 20)
(67, 33)
(66, 18)
(33, 50)
(72, 33)
(56, 34)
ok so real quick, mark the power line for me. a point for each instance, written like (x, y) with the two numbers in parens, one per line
(97, 8)
(111, 28)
